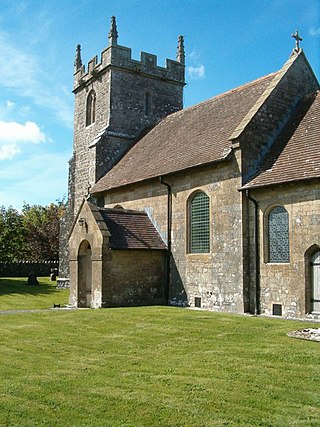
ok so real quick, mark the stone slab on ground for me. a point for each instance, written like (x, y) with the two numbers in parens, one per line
(306, 334)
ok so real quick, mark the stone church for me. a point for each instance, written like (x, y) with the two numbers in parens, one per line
(214, 206)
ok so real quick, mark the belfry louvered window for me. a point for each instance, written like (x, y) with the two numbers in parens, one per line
(199, 223)
(278, 235)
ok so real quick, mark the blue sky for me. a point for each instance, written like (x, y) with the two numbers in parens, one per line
(228, 43)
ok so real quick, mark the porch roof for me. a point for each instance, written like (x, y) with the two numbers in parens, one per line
(131, 230)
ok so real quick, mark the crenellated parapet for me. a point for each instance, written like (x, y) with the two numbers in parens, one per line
(120, 57)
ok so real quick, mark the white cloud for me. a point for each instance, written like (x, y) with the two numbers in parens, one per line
(196, 72)
(6, 109)
(314, 31)
(23, 73)
(194, 55)
(12, 134)
(7, 151)
(16, 132)
(10, 104)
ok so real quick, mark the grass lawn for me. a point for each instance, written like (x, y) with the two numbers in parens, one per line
(15, 294)
(155, 366)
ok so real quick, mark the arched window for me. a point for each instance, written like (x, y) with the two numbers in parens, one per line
(147, 106)
(315, 285)
(91, 108)
(278, 235)
(312, 274)
(199, 223)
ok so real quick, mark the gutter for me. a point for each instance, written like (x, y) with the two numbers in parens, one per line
(257, 308)
(169, 226)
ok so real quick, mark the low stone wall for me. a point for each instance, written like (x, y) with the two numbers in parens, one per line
(23, 268)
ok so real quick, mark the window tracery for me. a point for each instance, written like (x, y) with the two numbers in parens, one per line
(278, 235)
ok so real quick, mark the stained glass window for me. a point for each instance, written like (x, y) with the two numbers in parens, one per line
(278, 235)
(199, 224)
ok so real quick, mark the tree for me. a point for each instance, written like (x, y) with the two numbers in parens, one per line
(31, 235)
(41, 231)
(12, 242)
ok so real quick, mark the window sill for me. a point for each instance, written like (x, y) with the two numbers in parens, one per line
(89, 126)
(199, 254)
(277, 263)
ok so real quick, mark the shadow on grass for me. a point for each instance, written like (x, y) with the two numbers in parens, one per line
(18, 285)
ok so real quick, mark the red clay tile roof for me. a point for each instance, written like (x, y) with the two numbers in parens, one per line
(131, 230)
(188, 138)
(295, 155)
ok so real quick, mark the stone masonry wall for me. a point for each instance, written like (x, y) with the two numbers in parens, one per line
(134, 277)
(128, 95)
(280, 100)
(120, 116)
(288, 284)
(217, 277)
(121, 85)
(84, 136)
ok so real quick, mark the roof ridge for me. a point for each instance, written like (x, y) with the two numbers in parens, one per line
(223, 94)
(123, 211)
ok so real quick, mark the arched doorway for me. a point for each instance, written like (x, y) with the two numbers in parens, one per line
(315, 282)
(84, 274)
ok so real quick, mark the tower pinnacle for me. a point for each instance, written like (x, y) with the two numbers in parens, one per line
(113, 33)
(77, 59)
(180, 51)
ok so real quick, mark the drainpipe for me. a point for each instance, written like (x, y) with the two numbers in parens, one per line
(169, 222)
(257, 252)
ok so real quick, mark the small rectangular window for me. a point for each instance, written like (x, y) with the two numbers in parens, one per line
(277, 309)
(197, 302)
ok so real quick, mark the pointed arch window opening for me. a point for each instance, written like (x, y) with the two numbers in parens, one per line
(84, 274)
(278, 236)
(147, 105)
(91, 108)
(199, 223)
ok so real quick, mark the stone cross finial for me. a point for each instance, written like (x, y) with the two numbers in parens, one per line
(180, 51)
(113, 33)
(297, 39)
(77, 59)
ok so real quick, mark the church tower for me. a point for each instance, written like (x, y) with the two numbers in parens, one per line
(117, 101)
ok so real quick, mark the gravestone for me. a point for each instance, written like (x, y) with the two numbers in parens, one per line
(32, 279)
(53, 275)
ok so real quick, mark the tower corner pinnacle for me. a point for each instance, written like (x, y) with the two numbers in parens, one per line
(113, 33)
(180, 51)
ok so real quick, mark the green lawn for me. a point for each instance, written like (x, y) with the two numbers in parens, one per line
(155, 366)
(15, 294)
